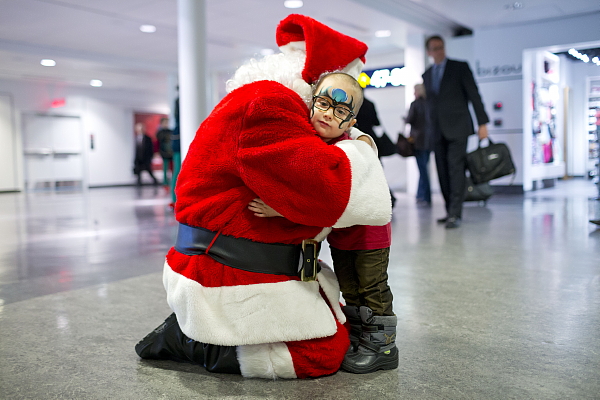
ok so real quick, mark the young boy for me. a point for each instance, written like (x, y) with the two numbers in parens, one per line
(360, 253)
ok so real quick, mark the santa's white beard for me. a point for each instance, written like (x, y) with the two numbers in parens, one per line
(282, 68)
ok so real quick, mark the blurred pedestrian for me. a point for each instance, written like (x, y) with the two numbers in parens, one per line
(450, 88)
(165, 147)
(144, 151)
(422, 141)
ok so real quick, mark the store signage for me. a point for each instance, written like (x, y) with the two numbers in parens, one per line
(498, 70)
(383, 77)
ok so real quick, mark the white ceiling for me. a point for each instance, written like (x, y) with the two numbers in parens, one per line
(100, 39)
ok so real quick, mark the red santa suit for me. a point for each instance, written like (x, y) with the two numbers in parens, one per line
(258, 143)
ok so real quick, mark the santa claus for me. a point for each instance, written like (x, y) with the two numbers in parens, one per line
(247, 293)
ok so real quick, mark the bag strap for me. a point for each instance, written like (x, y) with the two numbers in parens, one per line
(481, 140)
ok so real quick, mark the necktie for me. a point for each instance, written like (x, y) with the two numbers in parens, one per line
(437, 77)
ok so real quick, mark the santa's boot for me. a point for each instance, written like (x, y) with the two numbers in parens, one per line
(168, 342)
(377, 348)
(353, 318)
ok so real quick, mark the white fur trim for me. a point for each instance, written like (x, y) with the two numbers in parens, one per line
(370, 201)
(248, 314)
(354, 68)
(331, 287)
(293, 46)
(269, 360)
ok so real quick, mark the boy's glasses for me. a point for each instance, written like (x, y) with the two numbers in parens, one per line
(341, 112)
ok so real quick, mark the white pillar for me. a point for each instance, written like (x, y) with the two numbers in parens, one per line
(414, 63)
(191, 35)
(172, 93)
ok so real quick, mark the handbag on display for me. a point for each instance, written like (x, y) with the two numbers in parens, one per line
(385, 146)
(404, 147)
(491, 162)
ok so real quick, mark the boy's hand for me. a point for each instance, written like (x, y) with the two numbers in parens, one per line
(260, 209)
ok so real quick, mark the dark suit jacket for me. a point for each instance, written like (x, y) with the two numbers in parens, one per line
(419, 128)
(450, 107)
(143, 154)
(367, 117)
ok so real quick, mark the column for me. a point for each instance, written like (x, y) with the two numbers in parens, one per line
(191, 46)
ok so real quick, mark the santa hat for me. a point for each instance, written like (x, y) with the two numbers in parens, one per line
(326, 50)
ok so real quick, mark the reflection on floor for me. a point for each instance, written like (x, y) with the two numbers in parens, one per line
(506, 306)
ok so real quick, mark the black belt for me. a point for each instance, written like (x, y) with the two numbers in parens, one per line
(247, 255)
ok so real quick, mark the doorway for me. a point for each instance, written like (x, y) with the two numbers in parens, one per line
(53, 152)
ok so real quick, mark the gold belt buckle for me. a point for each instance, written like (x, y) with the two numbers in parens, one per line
(309, 258)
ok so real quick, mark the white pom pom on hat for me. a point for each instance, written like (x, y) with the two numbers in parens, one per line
(326, 49)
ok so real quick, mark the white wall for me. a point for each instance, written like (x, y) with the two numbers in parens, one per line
(107, 114)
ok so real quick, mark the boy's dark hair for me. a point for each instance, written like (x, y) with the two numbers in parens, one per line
(434, 37)
(350, 79)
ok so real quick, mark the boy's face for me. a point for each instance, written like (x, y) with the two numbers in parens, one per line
(333, 108)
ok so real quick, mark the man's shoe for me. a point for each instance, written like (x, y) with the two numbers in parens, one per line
(442, 220)
(452, 222)
(595, 221)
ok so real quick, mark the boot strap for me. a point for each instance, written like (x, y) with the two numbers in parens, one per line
(369, 345)
(372, 328)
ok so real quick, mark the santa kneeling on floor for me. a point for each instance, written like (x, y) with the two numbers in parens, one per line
(247, 293)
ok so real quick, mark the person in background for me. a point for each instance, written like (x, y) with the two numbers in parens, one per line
(450, 87)
(176, 148)
(422, 142)
(144, 151)
(165, 147)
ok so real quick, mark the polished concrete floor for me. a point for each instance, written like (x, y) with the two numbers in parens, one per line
(505, 307)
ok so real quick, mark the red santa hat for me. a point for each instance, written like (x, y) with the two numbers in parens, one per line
(326, 50)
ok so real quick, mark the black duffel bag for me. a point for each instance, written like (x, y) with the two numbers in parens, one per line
(479, 192)
(491, 162)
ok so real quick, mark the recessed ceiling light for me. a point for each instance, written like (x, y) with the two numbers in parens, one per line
(46, 62)
(293, 3)
(148, 28)
(267, 52)
(96, 83)
(383, 33)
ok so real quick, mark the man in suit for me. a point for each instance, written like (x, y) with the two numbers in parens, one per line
(450, 87)
(144, 150)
